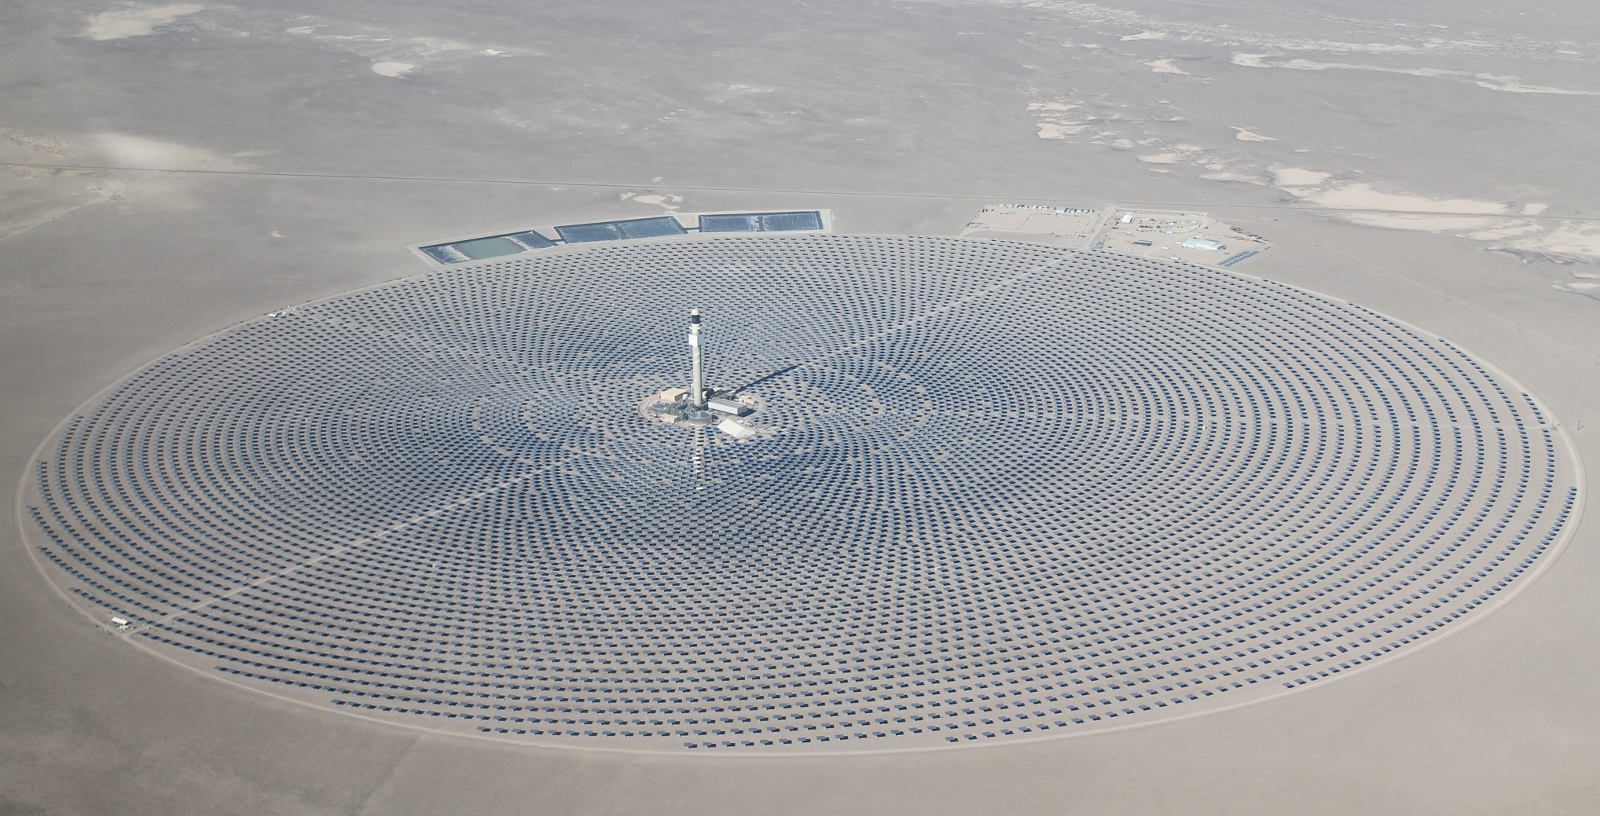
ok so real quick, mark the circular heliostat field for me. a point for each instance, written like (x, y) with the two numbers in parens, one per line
(1000, 491)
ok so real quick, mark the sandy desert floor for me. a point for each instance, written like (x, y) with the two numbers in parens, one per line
(167, 171)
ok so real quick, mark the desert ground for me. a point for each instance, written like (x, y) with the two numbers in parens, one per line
(168, 171)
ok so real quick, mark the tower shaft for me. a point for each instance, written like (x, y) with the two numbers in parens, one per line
(697, 379)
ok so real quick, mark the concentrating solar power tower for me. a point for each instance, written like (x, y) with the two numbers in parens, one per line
(699, 405)
(697, 379)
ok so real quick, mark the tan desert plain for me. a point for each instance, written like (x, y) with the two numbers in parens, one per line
(169, 172)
